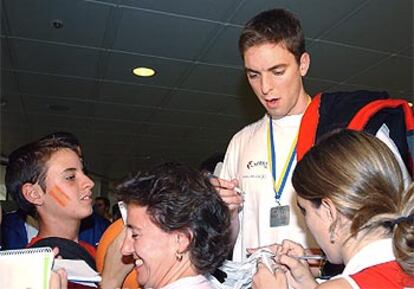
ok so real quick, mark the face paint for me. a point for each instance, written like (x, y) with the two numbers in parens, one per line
(60, 197)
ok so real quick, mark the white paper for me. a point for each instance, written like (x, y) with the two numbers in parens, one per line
(240, 274)
(78, 271)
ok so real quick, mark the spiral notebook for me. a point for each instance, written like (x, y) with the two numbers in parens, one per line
(26, 268)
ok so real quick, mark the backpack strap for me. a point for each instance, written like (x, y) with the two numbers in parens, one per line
(395, 111)
(308, 127)
(359, 110)
(366, 113)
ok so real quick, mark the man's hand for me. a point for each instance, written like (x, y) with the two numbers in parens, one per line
(229, 192)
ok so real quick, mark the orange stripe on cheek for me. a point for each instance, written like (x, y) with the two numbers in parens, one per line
(59, 196)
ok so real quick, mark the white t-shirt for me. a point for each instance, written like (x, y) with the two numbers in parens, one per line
(247, 161)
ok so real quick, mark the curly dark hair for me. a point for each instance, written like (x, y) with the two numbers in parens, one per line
(180, 198)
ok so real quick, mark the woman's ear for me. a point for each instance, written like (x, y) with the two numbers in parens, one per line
(183, 239)
(33, 193)
(329, 210)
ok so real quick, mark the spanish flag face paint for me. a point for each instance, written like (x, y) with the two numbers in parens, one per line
(61, 198)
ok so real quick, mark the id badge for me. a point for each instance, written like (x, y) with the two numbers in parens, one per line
(279, 216)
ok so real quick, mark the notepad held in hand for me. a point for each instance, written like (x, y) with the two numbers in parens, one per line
(26, 268)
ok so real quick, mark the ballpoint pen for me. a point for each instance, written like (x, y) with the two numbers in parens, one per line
(236, 189)
(310, 257)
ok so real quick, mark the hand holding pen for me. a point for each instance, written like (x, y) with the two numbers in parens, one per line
(229, 192)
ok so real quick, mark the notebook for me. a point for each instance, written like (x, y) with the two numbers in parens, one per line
(26, 268)
(31, 267)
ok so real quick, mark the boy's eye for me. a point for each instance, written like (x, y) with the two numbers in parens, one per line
(70, 177)
(135, 236)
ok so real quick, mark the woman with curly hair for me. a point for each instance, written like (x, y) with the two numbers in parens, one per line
(178, 229)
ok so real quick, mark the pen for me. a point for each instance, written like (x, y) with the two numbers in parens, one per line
(236, 189)
(311, 257)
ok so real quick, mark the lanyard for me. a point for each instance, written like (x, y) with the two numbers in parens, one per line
(279, 185)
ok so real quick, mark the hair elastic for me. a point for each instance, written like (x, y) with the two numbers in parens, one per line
(399, 220)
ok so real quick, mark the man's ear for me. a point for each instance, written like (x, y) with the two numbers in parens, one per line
(304, 63)
(33, 193)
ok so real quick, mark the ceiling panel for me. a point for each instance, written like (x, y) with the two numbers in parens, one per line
(122, 112)
(338, 63)
(30, 19)
(197, 101)
(115, 126)
(226, 80)
(224, 50)
(206, 9)
(61, 59)
(178, 117)
(8, 82)
(155, 34)
(133, 94)
(6, 60)
(11, 102)
(55, 86)
(314, 21)
(382, 76)
(248, 107)
(408, 51)
(165, 130)
(314, 86)
(47, 105)
(389, 26)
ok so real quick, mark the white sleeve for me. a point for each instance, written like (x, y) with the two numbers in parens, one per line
(229, 167)
(384, 134)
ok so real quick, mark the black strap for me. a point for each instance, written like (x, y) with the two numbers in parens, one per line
(68, 249)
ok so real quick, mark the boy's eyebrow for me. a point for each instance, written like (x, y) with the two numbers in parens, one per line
(69, 170)
(132, 227)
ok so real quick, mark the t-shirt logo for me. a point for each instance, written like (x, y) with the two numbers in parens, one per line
(253, 164)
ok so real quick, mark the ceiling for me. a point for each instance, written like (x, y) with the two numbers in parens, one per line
(78, 77)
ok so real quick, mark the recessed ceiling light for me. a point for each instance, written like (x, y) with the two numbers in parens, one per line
(143, 71)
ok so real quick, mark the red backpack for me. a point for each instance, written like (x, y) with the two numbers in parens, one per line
(359, 110)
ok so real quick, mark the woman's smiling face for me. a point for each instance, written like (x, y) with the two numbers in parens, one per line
(153, 249)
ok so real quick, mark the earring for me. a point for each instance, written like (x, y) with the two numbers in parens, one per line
(332, 237)
(179, 256)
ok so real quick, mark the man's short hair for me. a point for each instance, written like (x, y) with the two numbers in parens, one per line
(274, 26)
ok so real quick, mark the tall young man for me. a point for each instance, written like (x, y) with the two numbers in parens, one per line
(261, 157)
